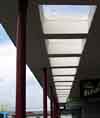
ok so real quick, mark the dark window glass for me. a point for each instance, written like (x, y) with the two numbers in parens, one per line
(1, 115)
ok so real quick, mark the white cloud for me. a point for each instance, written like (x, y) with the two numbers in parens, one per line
(34, 92)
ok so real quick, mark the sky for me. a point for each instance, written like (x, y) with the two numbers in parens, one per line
(72, 11)
(68, 9)
(34, 92)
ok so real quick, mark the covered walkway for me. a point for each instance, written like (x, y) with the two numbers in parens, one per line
(54, 44)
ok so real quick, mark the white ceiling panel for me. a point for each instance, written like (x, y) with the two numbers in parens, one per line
(64, 83)
(64, 71)
(62, 19)
(64, 61)
(65, 46)
(63, 78)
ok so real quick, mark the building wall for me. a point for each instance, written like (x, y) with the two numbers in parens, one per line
(91, 110)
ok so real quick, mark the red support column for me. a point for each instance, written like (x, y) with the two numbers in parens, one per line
(21, 59)
(45, 87)
(56, 108)
(55, 111)
(52, 109)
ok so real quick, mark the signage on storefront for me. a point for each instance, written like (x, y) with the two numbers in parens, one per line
(90, 88)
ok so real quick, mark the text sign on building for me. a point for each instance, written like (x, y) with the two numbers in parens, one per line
(90, 88)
